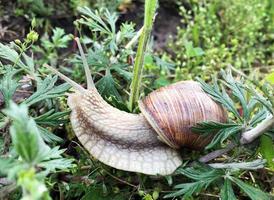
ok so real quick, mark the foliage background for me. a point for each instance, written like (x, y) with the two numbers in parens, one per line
(203, 38)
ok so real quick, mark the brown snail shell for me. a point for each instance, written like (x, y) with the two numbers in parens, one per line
(174, 109)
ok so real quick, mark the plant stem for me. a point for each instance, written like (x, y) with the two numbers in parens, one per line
(256, 164)
(260, 129)
(150, 8)
(214, 154)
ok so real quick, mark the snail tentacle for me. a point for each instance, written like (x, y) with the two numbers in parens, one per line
(75, 85)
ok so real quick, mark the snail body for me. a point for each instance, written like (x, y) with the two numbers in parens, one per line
(145, 142)
(136, 142)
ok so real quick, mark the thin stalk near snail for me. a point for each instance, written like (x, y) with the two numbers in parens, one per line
(150, 9)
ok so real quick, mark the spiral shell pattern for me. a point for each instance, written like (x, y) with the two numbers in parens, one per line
(173, 110)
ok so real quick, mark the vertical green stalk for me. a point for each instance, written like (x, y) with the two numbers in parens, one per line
(150, 8)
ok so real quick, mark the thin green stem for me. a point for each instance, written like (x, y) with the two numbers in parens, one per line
(150, 8)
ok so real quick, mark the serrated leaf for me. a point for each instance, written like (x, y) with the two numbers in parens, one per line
(258, 117)
(6, 164)
(54, 164)
(59, 39)
(220, 96)
(164, 65)
(8, 84)
(46, 90)
(52, 118)
(188, 189)
(106, 86)
(203, 178)
(48, 136)
(211, 126)
(237, 91)
(252, 192)
(125, 74)
(222, 135)
(200, 172)
(227, 191)
(25, 134)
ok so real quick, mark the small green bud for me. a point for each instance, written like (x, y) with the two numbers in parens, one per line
(116, 190)
(32, 36)
(17, 41)
(155, 195)
(33, 23)
(141, 193)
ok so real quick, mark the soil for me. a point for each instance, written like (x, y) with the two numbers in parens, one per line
(15, 27)
(166, 21)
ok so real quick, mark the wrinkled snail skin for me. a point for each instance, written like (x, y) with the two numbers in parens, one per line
(121, 140)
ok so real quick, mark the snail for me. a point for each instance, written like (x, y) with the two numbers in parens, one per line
(147, 142)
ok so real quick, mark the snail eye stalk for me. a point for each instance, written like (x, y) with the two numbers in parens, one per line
(89, 79)
(75, 85)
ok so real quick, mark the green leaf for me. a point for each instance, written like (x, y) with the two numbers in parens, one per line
(227, 191)
(259, 98)
(164, 65)
(188, 189)
(258, 117)
(237, 91)
(48, 136)
(252, 192)
(52, 118)
(95, 22)
(11, 55)
(200, 173)
(210, 126)
(221, 97)
(46, 90)
(8, 84)
(222, 135)
(122, 72)
(270, 78)
(59, 39)
(203, 178)
(25, 134)
(6, 164)
(267, 150)
(102, 22)
(191, 51)
(106, 86)
(54, 164)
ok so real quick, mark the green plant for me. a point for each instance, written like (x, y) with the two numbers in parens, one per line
(29, 161)
(150, 9)
(256, 110)
(222, 33)
(33, 159)
(209, 40)
(49, 47)
(205, 176)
